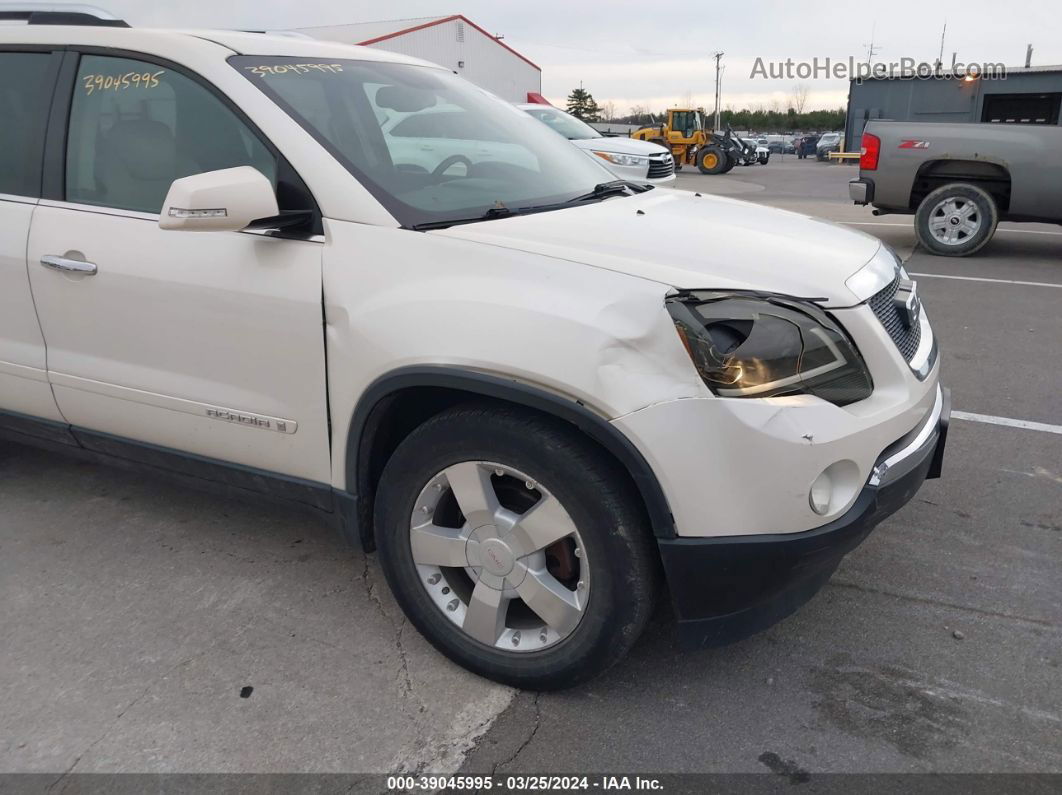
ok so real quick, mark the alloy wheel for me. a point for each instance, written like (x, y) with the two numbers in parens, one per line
(954, 220)
(499, 556)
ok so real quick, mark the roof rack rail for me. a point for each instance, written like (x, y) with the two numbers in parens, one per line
(61, 14)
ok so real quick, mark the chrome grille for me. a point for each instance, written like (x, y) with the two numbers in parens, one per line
(906, 339)
(662, 165)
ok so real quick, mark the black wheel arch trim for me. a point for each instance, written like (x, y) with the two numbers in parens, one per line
(359, 435)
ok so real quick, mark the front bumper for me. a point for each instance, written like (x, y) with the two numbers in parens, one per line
(861, 190)
(727, 588)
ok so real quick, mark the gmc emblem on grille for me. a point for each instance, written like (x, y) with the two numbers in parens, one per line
(906, 302)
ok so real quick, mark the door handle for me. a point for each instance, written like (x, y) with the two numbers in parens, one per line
(68, 265)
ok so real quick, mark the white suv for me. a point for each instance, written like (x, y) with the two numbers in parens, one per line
(531, 387)
(628, 158)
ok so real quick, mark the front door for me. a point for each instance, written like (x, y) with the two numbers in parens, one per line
(25, 86)
(208, 343)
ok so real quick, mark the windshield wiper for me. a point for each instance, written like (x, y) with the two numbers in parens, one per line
(603, 190)
(617, 187)
(489, 215)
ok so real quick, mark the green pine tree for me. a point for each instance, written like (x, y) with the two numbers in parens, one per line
(581, 104)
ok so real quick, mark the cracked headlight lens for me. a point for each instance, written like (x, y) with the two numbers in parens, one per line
(766, 346)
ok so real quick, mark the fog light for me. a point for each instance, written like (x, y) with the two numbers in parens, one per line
(820, 494)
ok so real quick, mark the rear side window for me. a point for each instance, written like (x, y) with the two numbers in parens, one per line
(25, 94)
(135, 127)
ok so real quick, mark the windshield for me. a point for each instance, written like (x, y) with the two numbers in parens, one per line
(430, 146)
(830, 138)
(564, 123)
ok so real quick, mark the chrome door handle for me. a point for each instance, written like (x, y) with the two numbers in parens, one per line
(68, 265)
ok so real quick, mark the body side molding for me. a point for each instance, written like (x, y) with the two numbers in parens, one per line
(235, 480)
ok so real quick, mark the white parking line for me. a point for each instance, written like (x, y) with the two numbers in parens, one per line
(999, 230)
(1006, 421)
(1027, 231)
(982, 279)
(872, 223)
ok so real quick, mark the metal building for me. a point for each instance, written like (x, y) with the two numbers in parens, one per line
(1027, 95)
(454, 42)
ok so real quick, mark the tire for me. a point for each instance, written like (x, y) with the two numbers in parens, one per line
(731, 161)
(712, 160)
(764, 159)
(610, 568)
(956, 220)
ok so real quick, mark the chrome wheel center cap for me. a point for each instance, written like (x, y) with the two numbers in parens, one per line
(496, 557)
(955, 220)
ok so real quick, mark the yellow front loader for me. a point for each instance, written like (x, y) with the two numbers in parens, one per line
(684, 133)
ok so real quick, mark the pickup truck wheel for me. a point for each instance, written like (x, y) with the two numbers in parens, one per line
(514, 546)
(956, 220)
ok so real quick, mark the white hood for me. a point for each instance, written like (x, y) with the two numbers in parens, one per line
(619, 146)
(694, 242)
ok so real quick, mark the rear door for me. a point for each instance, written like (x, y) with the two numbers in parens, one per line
(207, 343)
(26, 82)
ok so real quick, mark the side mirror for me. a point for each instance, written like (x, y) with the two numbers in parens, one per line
(227, 200)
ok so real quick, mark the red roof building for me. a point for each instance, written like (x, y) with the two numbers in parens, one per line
(455, 42)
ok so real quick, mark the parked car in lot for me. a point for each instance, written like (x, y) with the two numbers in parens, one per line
(829, 142)
(960, 180)
(628, 158)
(778, 144)
(528, 385)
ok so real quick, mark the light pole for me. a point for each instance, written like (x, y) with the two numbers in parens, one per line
(718, 56)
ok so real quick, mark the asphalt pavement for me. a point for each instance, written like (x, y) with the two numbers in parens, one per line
(148, 628)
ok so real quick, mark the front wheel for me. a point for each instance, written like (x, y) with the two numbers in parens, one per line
(513, 544)
(712, 160)
(956, 220)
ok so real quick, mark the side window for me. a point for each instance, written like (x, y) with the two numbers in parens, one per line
(135, 127)
(25, 93)
(683, 122)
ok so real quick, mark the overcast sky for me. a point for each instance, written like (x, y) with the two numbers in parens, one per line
(658, 52)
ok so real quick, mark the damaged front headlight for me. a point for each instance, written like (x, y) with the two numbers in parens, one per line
(766, 346)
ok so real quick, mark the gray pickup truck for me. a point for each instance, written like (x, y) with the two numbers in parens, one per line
(960, 180)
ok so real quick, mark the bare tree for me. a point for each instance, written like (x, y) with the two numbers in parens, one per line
(608, 111)
(799, 97)
(687, 99)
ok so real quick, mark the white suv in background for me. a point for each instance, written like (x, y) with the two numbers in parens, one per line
(628, 158)
(528, 385)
